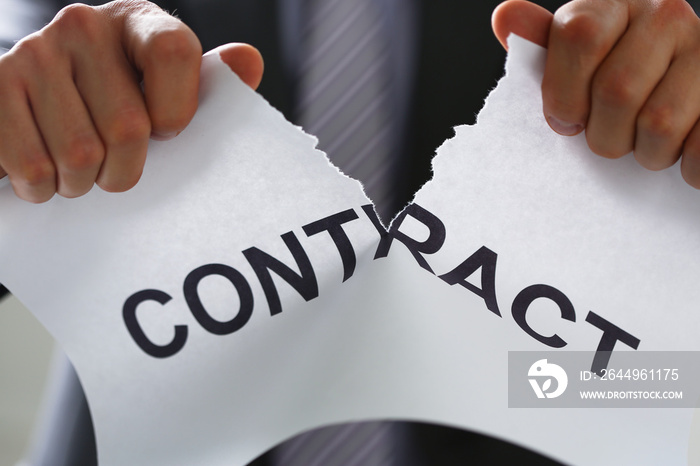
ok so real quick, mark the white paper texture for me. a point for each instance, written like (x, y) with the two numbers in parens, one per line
(393, 340)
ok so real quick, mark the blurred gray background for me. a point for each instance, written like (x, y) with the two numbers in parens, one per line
(25, 354)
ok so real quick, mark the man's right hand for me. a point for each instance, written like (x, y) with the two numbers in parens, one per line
(80, 99)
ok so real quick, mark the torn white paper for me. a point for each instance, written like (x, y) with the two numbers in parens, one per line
(242, 293)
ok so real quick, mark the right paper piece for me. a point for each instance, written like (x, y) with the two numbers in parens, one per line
(621, 243)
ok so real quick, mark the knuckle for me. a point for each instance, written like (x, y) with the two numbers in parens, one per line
(32, 52)
(78, 19)
(75, 13)
(83, 154)
(615, 88)
(117, 7)
(676, 11)
(174, 46)
(128, 126)
(581, 30)
(34, 172)
(658, 121)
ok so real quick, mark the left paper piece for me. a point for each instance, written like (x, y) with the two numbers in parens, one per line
(238, 178)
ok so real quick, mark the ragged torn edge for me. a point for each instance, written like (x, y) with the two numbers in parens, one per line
(514, 41)
(211, 57)
(535, 59)
(529, 53)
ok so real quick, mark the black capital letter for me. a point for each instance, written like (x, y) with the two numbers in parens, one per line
(245, 296)
(333, 225)
(304, 282)
(136, 332)
(431, 245)
(486, 259)
(611, 335)
(522, 302)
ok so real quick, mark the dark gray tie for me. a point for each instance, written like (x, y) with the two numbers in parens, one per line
(344, 91)
(344, 82)
(358, 444)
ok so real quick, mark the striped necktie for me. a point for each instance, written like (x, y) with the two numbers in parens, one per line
(344, 82)
(344, 89)
(372, 443)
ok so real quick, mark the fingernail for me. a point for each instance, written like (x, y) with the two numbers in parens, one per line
(163, 136)
(564, 127)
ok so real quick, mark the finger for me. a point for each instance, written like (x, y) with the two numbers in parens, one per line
(119, 113)
(582, 34)
(23, 155)
(109, 87)
(521, 18)
(67, 130)
(622, 85)
(690, 163)
(169, 55)
(668, 116)
(244, 60)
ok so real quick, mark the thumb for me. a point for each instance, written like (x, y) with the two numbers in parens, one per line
(522, 18)
(244, 60)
